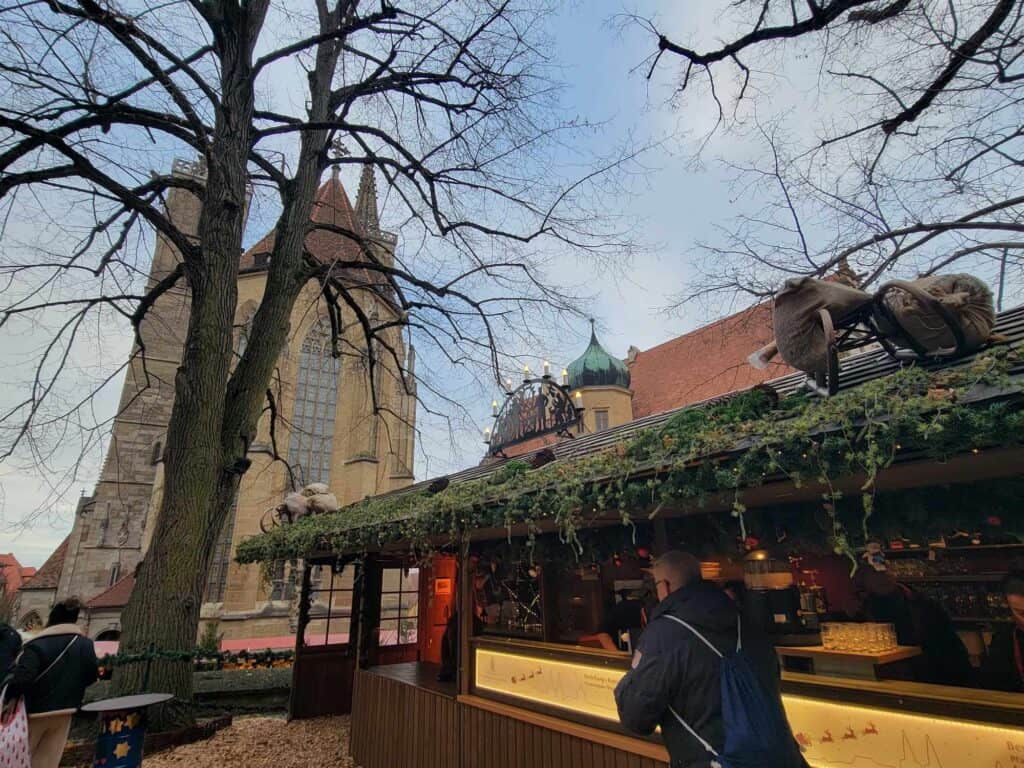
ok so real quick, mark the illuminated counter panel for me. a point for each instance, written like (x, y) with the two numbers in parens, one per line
(846, 736)
(832, 735)
(583, 688)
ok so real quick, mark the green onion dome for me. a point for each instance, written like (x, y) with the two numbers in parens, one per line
(596, 368)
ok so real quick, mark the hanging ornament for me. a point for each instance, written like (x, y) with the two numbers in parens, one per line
(643, 553)
(617, 560)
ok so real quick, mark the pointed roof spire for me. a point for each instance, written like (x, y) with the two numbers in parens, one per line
(366, 202)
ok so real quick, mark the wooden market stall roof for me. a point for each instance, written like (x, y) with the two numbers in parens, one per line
(855, 371)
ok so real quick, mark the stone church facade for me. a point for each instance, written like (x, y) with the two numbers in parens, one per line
(327, 427)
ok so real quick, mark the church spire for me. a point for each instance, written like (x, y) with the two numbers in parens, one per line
(366, 202)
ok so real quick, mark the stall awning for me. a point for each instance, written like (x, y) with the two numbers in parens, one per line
(402, 512)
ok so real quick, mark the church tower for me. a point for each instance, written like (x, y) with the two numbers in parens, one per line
(602, 382)
(106, 539)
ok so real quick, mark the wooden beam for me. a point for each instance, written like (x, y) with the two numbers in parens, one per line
(465, 608)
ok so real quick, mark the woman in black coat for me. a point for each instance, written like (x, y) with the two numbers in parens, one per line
(52, 672)
(10, 646)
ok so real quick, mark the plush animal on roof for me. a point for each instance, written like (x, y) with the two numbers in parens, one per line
(314, 499)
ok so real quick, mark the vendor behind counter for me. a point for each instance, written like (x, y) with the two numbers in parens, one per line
(1003, 669)
(919, 621)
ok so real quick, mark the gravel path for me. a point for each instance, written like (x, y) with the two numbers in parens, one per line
(265, 742)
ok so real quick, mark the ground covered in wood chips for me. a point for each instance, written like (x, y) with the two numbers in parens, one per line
(265, 742)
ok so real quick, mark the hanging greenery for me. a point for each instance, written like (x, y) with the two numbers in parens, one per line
(726, 448)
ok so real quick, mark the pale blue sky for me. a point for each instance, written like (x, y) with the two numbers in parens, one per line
(675, 203)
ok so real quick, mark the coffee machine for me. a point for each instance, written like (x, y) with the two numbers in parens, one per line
(772, 600)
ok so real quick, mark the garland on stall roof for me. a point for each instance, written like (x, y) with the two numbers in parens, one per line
(730, 447)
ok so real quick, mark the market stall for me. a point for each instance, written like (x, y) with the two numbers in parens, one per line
(531, 573)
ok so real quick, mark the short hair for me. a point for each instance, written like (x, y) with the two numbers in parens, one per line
(681, 567)
(1013, 584)
(64, 612)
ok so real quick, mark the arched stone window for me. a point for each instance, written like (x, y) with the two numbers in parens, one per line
(316, 398)
(217, 578)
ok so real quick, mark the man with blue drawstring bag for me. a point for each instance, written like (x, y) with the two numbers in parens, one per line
(712, 686)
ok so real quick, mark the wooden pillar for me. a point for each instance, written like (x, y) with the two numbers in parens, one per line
(366, 623)
(465, 608)
(300, 635)
(355, 622)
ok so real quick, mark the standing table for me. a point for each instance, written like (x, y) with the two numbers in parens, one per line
(122, 728)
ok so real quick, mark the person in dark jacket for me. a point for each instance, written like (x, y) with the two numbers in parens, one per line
(10, 645)
(52, 672)
(673, 668)
(1003, 669)
(919, 621)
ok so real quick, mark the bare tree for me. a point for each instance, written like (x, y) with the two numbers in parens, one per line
(902, 155)
(451, 102)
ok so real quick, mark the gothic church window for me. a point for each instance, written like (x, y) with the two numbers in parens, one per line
(316, 396)
(217, 578)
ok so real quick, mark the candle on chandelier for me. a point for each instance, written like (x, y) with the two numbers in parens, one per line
(487, 434)
(547, 368)
(494, 407)
(579, 399)
(526, 371)
(565, 376)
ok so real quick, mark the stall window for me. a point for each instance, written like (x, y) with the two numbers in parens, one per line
(399, 606)
(330, 606)
(600, 420)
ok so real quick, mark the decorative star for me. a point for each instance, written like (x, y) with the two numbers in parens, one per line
(132, 720)
(121, 750)
(115, 725)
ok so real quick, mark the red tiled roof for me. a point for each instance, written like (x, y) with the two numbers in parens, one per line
(10, 573)
(115, 597)
(48, 576)
(708, 362)
(332, 207)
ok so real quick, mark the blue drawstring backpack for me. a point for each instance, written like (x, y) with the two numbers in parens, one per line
(757, 734)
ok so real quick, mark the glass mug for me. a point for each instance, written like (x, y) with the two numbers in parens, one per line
(852, 637)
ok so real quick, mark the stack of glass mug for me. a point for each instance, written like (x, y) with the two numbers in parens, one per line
(866, 637)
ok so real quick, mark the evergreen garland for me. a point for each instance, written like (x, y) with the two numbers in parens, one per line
(735, 445)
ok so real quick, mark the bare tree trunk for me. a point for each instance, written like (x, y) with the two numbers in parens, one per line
(201, 468)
